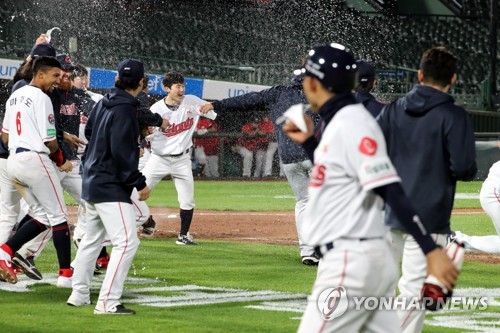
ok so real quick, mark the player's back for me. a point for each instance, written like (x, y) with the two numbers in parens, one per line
(29, 119)
(350, 160)
(431, 143)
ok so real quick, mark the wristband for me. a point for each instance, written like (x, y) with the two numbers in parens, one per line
(57, 157)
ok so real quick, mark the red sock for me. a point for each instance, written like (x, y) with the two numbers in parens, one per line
(7, 249)
(66, 272)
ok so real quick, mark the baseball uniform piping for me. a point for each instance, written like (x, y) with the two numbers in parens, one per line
(342, 278)
(123, 253)
(53, 186)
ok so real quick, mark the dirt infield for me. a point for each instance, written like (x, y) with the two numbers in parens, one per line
(259, 227)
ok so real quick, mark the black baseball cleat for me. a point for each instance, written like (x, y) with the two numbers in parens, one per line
(310, 260)
(452, 237)
(149, 227)
(27, 266)
(185, 240)
(117, 310)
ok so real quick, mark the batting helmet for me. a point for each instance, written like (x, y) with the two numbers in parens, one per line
(333, 66)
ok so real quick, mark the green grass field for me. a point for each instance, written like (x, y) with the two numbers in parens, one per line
(220, 286)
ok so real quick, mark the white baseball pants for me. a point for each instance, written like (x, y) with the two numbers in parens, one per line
(36, 179)
(298, 177)
(72, 183)
(9, 198)
(179, 168)
(116, 219)
(212, 166)
(141, 213)
(211, 162)
(268, 162)
(490, 202)
(144, 159)
(363, 268)
(247, 156)
(414, 272)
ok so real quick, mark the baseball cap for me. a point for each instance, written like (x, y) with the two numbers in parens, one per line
(43, 50)
(366, 72)
(130, 70)
(65, 62)
(332, 65)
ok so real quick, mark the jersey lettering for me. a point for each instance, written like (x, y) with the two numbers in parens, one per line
(317, 175)
(68, 110)
(174, 129)
(83, 119)
(18, 123)
(28, 101)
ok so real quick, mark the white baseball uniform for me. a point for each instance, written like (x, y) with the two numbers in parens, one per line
(345, 223)
(9, 198)
(170, 148)
(29, 121)
(490, 202)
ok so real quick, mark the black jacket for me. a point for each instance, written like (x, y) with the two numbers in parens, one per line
(73, 103)
(145, 116)
(276, 100)
(430, 141)
(370, 102)
(112, 155)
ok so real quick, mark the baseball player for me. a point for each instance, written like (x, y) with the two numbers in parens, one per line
(490, 202)
(29, 129)
(170, 148)
(352, 174)
(252, 144)
(207, 149)
(266, 125)
(9, 196)
(296, 164)
(365, 84)
(109, 175)
(431, 142)
(72, 103)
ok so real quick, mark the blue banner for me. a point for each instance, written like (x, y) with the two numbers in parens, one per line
(105, 79)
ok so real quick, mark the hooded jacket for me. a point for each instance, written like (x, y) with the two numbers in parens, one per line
(276, 100)
(110, 169)
(370, 102)
(430, 141)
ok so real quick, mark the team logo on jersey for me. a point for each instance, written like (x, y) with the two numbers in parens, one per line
(51, 119)
(174, 129)
(317, 175)
(368, 146)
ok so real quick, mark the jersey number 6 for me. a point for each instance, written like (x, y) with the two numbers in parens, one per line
(18, 123)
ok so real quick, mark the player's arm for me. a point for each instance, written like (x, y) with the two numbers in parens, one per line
(147, 118)
(306, 139)
(252, 101)
(438, 263)
(5, 137)
(5, 129)
(73, 140)
(56, 155)
(124, 147)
